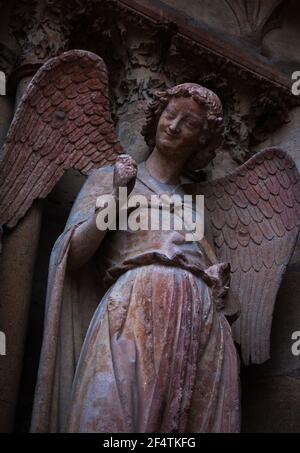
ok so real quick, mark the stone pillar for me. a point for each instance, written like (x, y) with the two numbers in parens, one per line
(271, 392)
(40, 39)
(129, 130)
(7, 58)
(6, 114)
(16, 271)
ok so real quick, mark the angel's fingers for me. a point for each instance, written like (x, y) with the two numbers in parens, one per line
(132, 172)
(125, 160)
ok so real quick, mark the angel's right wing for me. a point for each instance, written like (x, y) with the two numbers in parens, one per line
(63, 121)
(255, 217)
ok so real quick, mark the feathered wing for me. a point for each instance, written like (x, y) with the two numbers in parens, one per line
(63, 121)
(255, 218)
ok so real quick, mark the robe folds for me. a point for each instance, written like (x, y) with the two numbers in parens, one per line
(133, 341)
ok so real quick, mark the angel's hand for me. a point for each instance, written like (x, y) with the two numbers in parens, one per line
(125, 172)
(219, 275)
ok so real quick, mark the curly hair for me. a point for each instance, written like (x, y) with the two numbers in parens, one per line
(211, 135)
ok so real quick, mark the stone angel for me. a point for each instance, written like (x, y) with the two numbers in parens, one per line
(138, 334)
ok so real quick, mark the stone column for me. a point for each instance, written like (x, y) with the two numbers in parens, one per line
(7, 57)
(6, 114)
(40, 40)
(16, 271)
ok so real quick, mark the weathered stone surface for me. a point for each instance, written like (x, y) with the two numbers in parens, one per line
(63, 195)
(271, 405)
(268, 28)
(287, 136)
(257, 242)
(129, 130)
(7, 415)
(281, 45)
(153, 59)
(54, 217)
(21, 90)
(16, 270)
(286, 320)
(271, 392)
(6, 114)
(131, 347)
(70, 127)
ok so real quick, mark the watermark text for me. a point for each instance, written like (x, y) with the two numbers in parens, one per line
(2, 84)
(296, 84)
(296, 345)
(2, 343)
(162, 212)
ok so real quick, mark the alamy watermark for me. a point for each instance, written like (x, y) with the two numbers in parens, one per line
(2, 343)
(2, 93)
(296, 84)
(296, 346)
(2, 84)
(158, 212)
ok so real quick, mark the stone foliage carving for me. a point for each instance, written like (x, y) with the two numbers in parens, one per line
(40, 28)
(158, 58)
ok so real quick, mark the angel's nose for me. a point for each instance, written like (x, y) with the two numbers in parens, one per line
(174, 127)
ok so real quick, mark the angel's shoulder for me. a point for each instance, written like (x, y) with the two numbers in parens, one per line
(99, 180)
(99, 175)
(102, 171)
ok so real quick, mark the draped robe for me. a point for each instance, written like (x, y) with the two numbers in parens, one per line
(133, 341)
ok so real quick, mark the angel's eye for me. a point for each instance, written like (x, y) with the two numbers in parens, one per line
(192, 124)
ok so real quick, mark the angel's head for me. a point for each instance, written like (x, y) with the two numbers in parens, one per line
(185, 120)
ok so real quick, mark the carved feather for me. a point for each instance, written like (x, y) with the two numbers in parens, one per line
(63, 121)
(256, 231)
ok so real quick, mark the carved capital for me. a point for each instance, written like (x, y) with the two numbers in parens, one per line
(269, 110)
(40, 29)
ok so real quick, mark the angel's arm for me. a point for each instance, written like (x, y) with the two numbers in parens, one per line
(87, 236)
(86, 240)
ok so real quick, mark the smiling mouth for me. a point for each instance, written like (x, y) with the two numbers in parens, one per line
(170, 135)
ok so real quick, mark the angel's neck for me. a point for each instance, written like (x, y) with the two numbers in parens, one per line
(163, 169)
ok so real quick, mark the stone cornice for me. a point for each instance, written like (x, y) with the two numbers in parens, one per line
(239, 59)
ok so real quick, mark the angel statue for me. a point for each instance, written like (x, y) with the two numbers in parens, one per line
(140, 324)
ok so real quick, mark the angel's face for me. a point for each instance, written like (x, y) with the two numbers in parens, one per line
(179, 128)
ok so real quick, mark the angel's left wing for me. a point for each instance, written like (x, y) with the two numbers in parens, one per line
(255, 218)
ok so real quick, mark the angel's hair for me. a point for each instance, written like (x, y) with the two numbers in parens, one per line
(211, 135)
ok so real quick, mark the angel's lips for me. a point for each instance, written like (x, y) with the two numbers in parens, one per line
(169, 136)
